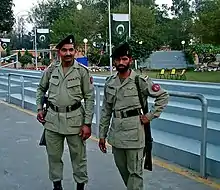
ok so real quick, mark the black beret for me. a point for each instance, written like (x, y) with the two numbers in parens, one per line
(68, 40)
(121, 50)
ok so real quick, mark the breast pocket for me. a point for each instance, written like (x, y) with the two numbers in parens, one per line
(110, 94)
(74, 86)
(53, 85)
(130, 91)
(131, 96)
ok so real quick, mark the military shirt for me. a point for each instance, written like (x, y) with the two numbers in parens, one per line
(120, 97)
(65, 90)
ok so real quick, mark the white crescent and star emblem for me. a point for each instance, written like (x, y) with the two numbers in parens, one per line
(4, 45)
(42, 38)
(120, 29)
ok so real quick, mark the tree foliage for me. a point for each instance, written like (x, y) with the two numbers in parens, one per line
(207, 23)
(6, 16)
(151, 25)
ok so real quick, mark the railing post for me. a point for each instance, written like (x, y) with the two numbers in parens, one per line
(22, 91)
(9, 88)
(203, 148)
(97, 97)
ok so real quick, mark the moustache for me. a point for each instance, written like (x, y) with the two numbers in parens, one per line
(68, 56)
(121, 65)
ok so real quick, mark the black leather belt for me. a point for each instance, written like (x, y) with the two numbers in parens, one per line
(65, 109)
(125, 114)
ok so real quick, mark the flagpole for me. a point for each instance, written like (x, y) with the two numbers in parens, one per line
(110, 34)
(129, 15)
(35, 44)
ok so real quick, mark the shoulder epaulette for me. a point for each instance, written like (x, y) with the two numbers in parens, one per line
(108, 78)
(82, 66)
(146, 77)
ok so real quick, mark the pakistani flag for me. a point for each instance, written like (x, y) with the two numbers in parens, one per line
(43, 38)
(4, 43)
(120, 27)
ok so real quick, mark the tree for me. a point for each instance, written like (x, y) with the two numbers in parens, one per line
(25, 59)
(6, 16)
(207, 25)
(83, 24)
(45, 13)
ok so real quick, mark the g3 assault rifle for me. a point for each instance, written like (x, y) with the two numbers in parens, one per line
(147, 130)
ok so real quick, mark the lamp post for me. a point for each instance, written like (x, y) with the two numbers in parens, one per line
(85, 42)
(183, 43)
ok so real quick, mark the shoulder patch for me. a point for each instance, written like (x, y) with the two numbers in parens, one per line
(155, 87)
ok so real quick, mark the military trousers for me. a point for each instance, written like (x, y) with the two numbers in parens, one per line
(130, 165)
(77, 149)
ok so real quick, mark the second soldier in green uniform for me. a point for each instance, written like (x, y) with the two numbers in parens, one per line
(126, 133)
(67, 83)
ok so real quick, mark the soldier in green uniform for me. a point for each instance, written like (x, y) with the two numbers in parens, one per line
(126, 133)
(67, 83)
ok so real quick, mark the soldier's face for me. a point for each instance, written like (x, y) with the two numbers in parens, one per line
(122, 64)
(67, 53)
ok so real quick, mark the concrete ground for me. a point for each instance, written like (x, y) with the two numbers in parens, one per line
(23, 164)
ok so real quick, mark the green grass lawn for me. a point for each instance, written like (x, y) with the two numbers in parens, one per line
(190, 75)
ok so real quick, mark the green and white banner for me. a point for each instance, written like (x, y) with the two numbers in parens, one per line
(4, 42)
(43, 41)
(120, 27)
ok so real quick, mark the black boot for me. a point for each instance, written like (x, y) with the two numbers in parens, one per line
(57, 185)
(80, 186)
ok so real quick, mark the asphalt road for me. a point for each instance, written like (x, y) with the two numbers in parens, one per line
(23, 164)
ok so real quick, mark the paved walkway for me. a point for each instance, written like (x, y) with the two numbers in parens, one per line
(23, 164)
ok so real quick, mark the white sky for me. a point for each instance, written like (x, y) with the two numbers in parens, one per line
(22, 6)
(25, 5)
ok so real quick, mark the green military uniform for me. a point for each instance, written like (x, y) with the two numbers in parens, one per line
(126, 133)
(65, 116)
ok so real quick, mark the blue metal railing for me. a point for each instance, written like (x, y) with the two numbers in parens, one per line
(98, 86)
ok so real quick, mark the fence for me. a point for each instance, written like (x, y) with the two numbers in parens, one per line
(97, 86)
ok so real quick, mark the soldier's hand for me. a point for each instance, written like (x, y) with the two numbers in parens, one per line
(144, 119)
(85, 132)
(102, 145)
(40, 116)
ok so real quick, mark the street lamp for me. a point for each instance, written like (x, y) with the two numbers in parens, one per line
(141, 42)
(183, 43)
(79, 7)
(85, 42)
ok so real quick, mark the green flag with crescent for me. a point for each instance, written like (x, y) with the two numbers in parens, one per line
(120, 28)
(4, 42)
(43, 38)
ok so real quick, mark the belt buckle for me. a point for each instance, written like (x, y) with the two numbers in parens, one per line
(124, 114)
(117, 114)
(68, 108)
